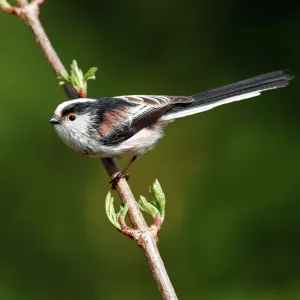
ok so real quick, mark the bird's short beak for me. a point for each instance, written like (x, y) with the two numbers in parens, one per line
(54, 121)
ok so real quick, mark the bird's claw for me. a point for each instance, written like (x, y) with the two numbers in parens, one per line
(117, 178)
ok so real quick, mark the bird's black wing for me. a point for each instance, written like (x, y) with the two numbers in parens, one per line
(142, 112)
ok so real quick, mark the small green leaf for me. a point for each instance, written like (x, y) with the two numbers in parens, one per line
(63, 78)
(157, 204)
(123, 211)
(76, 77)
(158, 198)
(147, 207)
(5, 4)
(90, 74)
(110, 211)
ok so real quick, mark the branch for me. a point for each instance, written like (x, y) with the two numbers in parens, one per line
(29, 12)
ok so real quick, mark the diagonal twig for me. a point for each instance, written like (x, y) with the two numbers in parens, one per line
(29, 12)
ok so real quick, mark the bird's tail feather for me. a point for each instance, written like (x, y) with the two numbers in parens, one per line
(233, 92)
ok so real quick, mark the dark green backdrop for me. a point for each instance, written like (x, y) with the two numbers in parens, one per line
(231, 175)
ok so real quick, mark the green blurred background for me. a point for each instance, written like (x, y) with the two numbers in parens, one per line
(231, 175)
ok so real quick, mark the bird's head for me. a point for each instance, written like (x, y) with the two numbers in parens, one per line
(75, 120)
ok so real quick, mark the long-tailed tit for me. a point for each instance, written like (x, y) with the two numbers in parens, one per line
(131, 125)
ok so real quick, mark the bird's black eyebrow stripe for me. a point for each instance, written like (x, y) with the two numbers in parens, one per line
(69, 109)
(100, 105)
(76, 108)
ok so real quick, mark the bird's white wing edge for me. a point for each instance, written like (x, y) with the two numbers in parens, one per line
(197, 109)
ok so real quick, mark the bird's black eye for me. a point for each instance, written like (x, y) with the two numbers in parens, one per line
(72, 117)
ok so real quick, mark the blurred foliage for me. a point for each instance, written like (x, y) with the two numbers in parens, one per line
(231, 175)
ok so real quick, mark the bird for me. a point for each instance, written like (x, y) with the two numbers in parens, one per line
(129, 126)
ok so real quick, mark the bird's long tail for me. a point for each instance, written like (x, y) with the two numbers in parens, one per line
(229, 93)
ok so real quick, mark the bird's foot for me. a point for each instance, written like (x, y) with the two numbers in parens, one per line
(117, 178)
